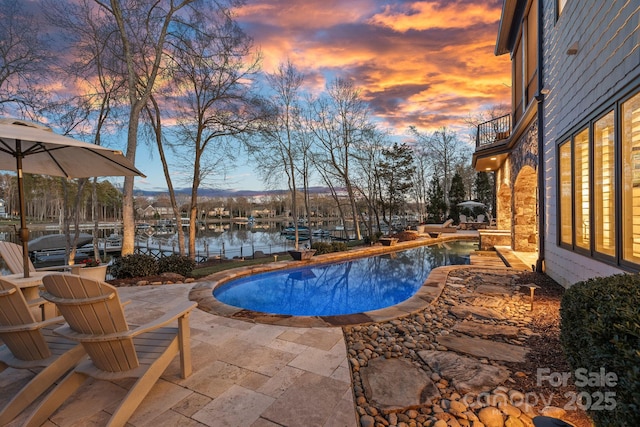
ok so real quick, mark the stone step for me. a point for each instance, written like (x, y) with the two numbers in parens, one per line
(483, 329)
(468, 375)
(483, 348)
(464, 311)
(396, 384)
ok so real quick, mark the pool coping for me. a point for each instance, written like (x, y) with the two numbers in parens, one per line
(202, 292)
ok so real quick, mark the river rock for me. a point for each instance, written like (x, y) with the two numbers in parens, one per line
(491, 417)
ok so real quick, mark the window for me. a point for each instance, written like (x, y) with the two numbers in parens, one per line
(565, 194)
(525, 63)
(604, 185)
(581, 188)
(599, 186)
(631, 179)
(561, 5)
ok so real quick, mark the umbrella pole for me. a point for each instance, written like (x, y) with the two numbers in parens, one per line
(24, 232)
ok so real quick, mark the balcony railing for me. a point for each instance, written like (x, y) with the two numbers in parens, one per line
(493, 131)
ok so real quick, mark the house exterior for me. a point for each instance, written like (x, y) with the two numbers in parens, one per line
(567, 157)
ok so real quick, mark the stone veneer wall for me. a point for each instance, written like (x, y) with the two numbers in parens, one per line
(524, 164)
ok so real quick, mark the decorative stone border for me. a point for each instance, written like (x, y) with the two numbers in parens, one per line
(202, 292)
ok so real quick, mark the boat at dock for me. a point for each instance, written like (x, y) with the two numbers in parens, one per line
(57, 241)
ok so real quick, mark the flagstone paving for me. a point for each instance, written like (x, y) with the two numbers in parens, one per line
(484, 348)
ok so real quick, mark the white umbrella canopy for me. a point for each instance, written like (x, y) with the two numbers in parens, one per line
(471, 204)
(27, 147)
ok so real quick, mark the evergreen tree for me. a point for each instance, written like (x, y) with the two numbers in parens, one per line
(456, 195)
(483, 187)
(396, 169)
(436, 205)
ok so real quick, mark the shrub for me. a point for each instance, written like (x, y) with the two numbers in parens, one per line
(405, 236)
(600, 328)
(179, 264)
(134, 265)
(338, 246)
(325, 247)
(373, 238)
(321, 247)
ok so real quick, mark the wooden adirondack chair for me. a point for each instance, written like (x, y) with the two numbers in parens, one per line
(12, 255)
(30, 344)
(96, 319)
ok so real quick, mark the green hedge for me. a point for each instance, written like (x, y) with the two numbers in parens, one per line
(135, 265)
(325, 248)
(600, 328)
(179, 264)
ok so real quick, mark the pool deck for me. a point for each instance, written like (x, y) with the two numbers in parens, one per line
(245, 372)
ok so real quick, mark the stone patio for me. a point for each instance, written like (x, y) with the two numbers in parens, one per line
(247, 373)
(244, 374)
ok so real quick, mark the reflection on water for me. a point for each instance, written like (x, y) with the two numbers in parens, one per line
(232, 240)
(228, 240)
(349, 287)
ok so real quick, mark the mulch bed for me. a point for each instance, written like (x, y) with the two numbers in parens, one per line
(546, 350)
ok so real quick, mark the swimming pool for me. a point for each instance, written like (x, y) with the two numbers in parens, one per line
(347, 287)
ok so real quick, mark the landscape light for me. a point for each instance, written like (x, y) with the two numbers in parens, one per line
(532, 289)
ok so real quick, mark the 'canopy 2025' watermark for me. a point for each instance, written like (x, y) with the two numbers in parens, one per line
(599, 400)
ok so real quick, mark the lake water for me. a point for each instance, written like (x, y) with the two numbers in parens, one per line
(228, 240)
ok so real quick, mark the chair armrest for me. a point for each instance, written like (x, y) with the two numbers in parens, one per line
(32, 326)
(37, 302)
(58, 267)
(176, 313)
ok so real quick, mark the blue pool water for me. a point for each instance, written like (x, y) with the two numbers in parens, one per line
(347, 287)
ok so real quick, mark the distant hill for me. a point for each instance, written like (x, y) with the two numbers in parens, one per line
(219, 192)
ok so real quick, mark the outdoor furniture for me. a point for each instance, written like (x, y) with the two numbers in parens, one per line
(12, 256)
(29, 344)
(463, 218)
(480, 218)
(446, 227)
(30, 286)
(96, 319)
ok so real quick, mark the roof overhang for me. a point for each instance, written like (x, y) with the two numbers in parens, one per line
(509, 8)
(489, 162)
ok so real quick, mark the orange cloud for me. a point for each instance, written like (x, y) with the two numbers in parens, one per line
(434, 14)
(417, 63)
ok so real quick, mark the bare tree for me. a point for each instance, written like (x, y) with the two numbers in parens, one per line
(98, 72)
(341, 119)
(368, 156)
(24, 60)
(444, 153)
(155, 124)
(212, 64)
(281, 144)
(143, 29)
(487, 115)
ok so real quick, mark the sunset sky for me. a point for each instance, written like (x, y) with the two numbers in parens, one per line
(423, 63)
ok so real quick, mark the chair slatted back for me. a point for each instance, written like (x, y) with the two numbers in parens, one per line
(93, 307)
(12, 255)
(19, 330)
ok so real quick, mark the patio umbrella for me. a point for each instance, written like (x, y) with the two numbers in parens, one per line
(27, 147)
(471, 204)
